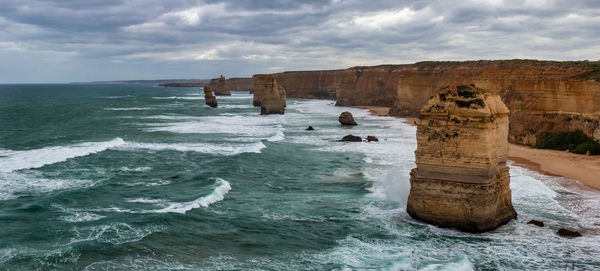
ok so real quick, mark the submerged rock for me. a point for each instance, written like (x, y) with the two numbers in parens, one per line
(462, 180)
(346, 118)
(568, 233)
(310, 128)
(536, 222)
(372, 138)
(351, 138)
(269, 94)
(209, 98)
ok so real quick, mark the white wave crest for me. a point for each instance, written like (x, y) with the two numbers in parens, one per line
(17, 160)
(222, 149)
(218, 194)
(15, 184)
(178, 98)
(278, 136)
(115, 233)
(126, 108)
(137, 169)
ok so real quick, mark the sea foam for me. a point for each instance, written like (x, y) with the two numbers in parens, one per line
(222, 187)
(220, 149)
(16, 160)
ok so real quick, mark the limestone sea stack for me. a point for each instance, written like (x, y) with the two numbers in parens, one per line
(269, 95)
(461, 180)
(221, 88)
(209, 98)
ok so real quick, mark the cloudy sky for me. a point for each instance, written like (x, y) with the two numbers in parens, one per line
(85, 40)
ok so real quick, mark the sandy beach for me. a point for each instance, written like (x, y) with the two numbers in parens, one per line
(375, 110)
(585, 169)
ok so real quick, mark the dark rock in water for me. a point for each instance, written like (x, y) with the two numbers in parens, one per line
(346, 118)
(351, 138)
(310, 128)
(568, 233)
(536, 222)
(372, 138)
(209, 98)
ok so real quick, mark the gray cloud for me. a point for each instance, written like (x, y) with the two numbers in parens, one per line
(72, 40)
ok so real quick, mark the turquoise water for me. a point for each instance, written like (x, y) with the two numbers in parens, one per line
(138, 177)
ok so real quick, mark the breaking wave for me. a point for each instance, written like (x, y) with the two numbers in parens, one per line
(17, 160)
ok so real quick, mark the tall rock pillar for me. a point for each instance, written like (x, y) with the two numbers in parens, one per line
(269, 94)
(209, 98)
(461, 180)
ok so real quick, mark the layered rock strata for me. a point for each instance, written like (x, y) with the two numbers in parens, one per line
(543, 96)
(269, 95)
(462, 180)
(220, 86)
(209, 98)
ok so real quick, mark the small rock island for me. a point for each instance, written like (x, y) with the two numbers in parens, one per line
(462, 180)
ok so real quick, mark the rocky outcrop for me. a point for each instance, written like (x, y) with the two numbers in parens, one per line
(372, 139)
(219, 85)
(351, 138)
(461, 180)
(536, 222)
(543, 96)
(269, 95)
(346, 118)
(568, 233)
(209, 98)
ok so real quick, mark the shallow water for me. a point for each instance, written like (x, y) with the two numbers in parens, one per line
(138, 177)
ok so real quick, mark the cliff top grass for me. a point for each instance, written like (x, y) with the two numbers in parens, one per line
(575, 142)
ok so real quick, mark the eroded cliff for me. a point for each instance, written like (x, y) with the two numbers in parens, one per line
(543, 96)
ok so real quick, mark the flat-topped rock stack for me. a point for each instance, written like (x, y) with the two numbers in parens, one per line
(209, 98)
(461, 180)
(269, 95)
(221, 88)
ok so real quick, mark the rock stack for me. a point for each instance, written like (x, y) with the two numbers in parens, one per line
(209, 98)
(269, 95)
(221, 86)
(461, 180)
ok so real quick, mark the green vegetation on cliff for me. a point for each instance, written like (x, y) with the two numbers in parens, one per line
(576, 142)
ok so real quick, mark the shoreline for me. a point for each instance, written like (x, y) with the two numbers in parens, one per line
(585, 169)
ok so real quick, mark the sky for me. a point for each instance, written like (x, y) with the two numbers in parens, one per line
(52, 41)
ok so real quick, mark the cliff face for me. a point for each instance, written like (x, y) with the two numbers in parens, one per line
(239, 84)
(461, 179)
(244, 84)
(220, 86)
(543, 96)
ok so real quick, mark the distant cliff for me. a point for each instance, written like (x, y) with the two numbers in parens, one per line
(543, 96)
(234, 83)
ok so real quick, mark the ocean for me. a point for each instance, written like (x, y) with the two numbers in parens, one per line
(140, 177)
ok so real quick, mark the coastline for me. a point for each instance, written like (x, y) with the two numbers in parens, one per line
(585, 169)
